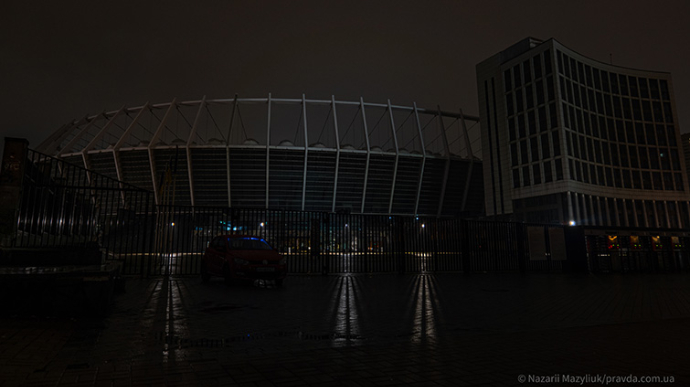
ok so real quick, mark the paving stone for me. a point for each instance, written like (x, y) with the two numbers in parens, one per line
(443, 329)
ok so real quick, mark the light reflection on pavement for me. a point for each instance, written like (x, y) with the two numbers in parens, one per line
(425, 326)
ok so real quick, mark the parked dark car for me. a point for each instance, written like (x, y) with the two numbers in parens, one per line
(242, 257)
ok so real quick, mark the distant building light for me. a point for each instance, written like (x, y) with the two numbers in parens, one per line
(423, 225)
(572, 223)
(172, 224)
(261, 224)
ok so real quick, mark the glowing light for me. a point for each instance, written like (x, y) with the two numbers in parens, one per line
(261, 224)
(572, 223)
(172, 224)
(423, 225)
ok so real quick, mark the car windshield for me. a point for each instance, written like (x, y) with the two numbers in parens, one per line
(248, 244)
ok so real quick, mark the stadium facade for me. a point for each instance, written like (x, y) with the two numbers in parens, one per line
(569, 139)
(290, 154)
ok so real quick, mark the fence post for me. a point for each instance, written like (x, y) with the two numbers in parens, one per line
(11, 180)
(521, 256)
(465, 247)
(400, 243)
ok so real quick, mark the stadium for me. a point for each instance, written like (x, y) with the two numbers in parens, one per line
(291, 154)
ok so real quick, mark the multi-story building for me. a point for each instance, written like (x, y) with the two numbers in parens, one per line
(569, 139)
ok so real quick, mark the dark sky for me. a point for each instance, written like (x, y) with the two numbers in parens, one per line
(62, 60)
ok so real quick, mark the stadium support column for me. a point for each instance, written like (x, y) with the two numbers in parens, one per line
(447, 168)
(366, 168)
(189, 152)
(227, 150)
(268, 145)
(337, 151)
(97, 138)
(397, 156)
(306, 150)
(421, 171)
(470, 155)
(123, 138)
(152, 160)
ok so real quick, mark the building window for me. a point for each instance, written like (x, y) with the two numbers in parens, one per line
(545, 148)
(651, 218)
(653, 88)
(531, 122)
(605, 82)
(527, 71)
(626, 178)
(514, 154)
(542, 119)
(646, 180)
(679, 181)
(664, 89)
(536, 170)
(537, 66)
(525, 176)
(556, 143)
(656, 179)
(559, 169)
(553, 115)
(535, 149)
(547, 172)
(661, 213)
(609, 177)
(516, 76)
(547, 62)
(637, 181)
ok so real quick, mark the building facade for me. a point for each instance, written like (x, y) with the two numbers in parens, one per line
(568, 139)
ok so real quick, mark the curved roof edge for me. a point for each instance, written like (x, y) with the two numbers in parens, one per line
(609, 65)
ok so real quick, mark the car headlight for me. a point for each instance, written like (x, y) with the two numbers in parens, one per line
(282, 261)
(240, 261)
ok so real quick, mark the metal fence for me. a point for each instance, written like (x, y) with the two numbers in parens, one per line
(318, 242)
(66, 206)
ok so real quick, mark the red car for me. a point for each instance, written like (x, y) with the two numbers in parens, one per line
(242, 257)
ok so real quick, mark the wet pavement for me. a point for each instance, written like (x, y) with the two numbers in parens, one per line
(416, 330)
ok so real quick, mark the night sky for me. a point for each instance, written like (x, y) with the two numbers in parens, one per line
(62, 60)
